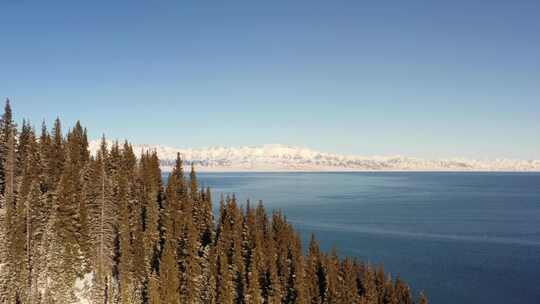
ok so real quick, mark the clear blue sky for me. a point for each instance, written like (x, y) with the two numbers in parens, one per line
(420, 78)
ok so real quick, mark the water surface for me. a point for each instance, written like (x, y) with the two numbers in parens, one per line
(460, 237)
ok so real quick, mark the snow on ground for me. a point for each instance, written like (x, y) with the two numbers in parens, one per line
(82, 288)
(277, 157)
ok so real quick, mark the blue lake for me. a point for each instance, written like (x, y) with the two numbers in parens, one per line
(460, 237)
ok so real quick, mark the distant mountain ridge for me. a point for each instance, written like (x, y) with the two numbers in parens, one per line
(276, 157)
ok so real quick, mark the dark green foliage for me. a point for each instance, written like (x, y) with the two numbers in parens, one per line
(169, 275)
(103, 228)
(7, 129)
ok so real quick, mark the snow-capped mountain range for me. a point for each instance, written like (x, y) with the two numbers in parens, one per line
(277, 157)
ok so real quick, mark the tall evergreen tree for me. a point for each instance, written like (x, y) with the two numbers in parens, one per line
(423, 299)
(299, 291)
(194, 185)
(254, 258)
(207, 229)
(45, 152)
(14, 230)
(125, 259)
(369, 287)
(225, 294)
(282, 240)
(402, 292)
(332, 275)
(315, 273)
(36, 217)
(189, 260)
(348, 287)
(151, 212)
(98, 195)
(56, 154)
(272, 291)
(168, 275)
(66, 229)
(8, 129)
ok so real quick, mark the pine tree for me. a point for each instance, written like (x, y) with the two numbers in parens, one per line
(389, 296)
(125, 259)
(151, 212)
(98, 194)
(18, 257)
(26, 136)
(207, 230)
(299, 292)
(282, 239)
(316, 277)
(348, 287)
(3, 257)
(225, 294)
(207, 252)
(138, 261)
(45, 152)
(272, 291)
(369, 287)
(8, 129)
(194, 186)
(190, 283)
(27, 172)
(209, 275)
(14, 228)
(132, 169)
(402, 292)
(35, 226)
(65, 229)
(180, 184)
(237, 251)
(254, 259)
(332, 271)
(172, 222)
(77, 147)
(28, 197)
(154, 290)
(72, 216)
(29, 167)
(56, 155)
(423, 299)
(168, 275)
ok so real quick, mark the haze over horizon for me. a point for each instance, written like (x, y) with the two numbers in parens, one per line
(429, 80)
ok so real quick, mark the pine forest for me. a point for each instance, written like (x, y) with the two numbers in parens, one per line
(108, 228)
